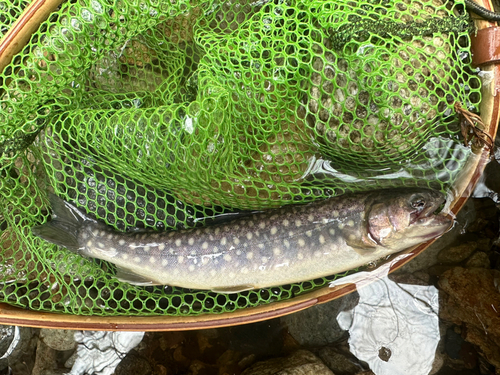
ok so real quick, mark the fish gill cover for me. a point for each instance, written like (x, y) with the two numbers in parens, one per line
(156, 114)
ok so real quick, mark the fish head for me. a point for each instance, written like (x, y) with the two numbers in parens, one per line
(401, 218)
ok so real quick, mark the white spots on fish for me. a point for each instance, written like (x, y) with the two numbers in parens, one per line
(171, 251)
(238, 252)
(350, 223)
(257, 233)
(197, 232)
(191, 267)
(317, 254)
(250, 223)
(301, 242)
(322, 239)
(191, 241)
(286, 223)
(244, 270)
(137, 259)
(264, 260)
(352, 237)
(310, 218)
(146, 248)
(204, 245)
(144, 236)
(124, 256)
(100, 245)
(109, 236)
(171, 234)
(152, 260)
(89, 243)
(298, 223)
(276, 251)
(176, 271)
(250, 255)
(121, 242)
(309, 233)
(223, 241)
(217, 231)
(286, 243)
(227, 257)
(161, 247)
(213, 273)
(300, 256)
(261, 246)
(164, 262)
(205, 260)
(262, 224)
(112, 250)
(178, 242)
(291, 234)
(274, 230)
(180, 259)
(335, 213)
(215, 250)
(85, 235)
(232, 275)
(236, 240)
(249, 235)
(341, 225)
(331, 231)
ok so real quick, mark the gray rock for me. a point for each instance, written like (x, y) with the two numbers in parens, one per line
(58, 339)
(479, 259)
(22, 357)
(46, 359)
(338, 362)
(301, 362)
(317, 326)
(457, 254)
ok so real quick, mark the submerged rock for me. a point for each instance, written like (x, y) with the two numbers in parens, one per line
(471, 298)
(457, 254)
(301, 362)
(58, 339)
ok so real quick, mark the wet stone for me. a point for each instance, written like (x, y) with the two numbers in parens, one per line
(317, 326)
(301, 362)
(457, 254)
(479, 260)
(58, 339)
(133, 364)
(338, 362)
(471, 298)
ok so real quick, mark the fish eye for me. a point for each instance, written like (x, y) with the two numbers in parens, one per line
(418, 203)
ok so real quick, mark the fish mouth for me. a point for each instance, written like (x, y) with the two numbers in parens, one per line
(428, 212)
(432, 226)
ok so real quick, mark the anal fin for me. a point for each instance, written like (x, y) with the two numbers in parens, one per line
(128, 276)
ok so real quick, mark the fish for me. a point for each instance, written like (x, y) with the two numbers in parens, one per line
(291, 244)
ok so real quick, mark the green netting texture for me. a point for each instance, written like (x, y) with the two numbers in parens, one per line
(165, 115)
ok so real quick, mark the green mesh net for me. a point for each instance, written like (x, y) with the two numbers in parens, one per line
(166, 115)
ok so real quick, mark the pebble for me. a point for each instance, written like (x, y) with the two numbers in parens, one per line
(457, 254)
(339, 363)
(58, 339)
(479, 259)
(301, 362)
(133, 364)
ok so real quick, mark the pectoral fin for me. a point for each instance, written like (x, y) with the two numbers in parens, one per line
(129, 276)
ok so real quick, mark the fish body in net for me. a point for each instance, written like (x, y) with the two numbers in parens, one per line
(277, 247)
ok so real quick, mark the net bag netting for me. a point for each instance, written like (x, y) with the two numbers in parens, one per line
(166, 115)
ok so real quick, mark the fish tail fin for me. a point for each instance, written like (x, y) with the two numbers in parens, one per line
(67, 221)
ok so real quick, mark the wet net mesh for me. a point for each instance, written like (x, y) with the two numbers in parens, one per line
(167, 114)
